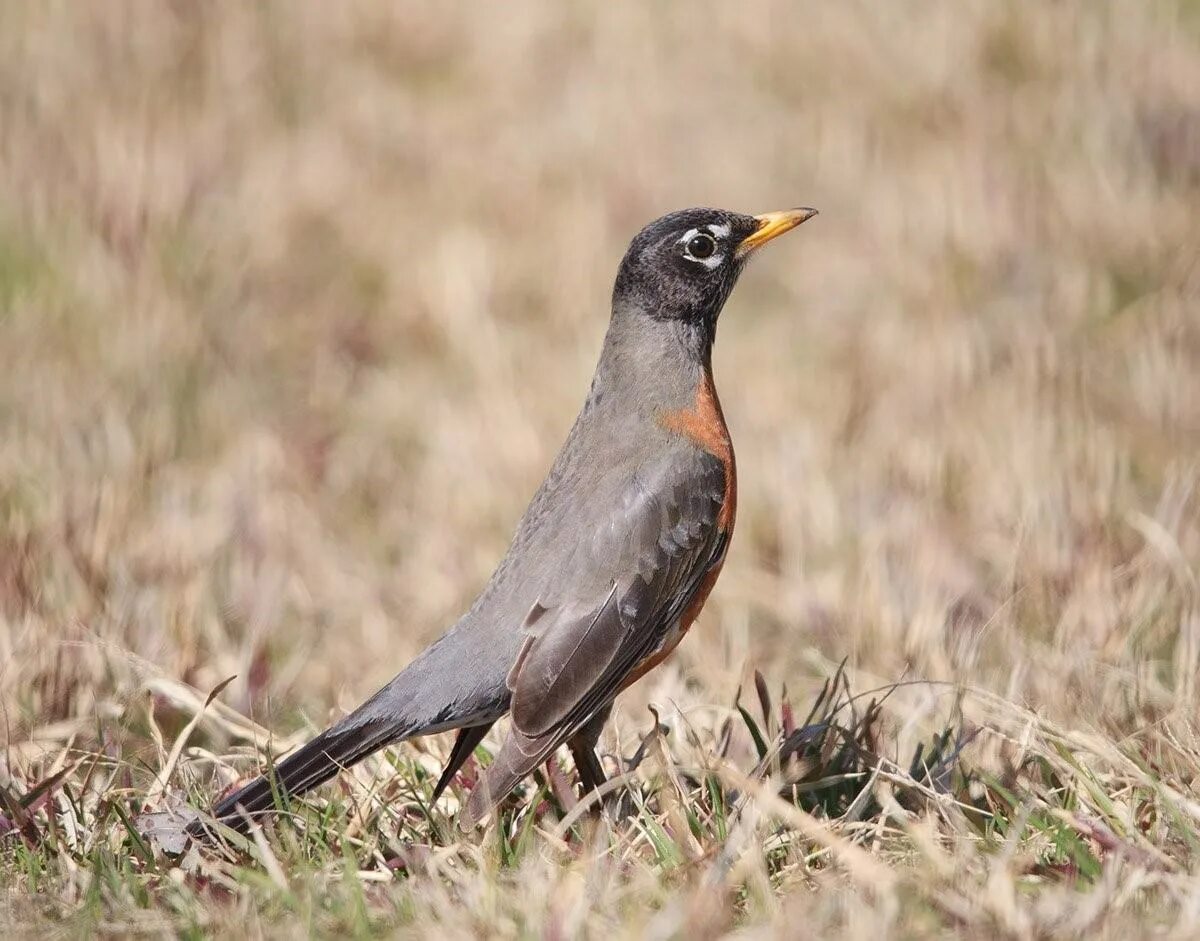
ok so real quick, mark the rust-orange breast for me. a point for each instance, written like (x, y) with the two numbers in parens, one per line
(704, 424)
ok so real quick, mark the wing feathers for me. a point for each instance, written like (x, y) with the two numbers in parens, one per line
(556, 668)
(657, 547)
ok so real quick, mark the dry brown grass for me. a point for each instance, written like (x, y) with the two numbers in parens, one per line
(298, 301)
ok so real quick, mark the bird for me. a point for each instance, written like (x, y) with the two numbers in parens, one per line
(612, 560)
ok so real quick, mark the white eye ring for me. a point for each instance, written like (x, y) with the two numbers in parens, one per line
(708, 261)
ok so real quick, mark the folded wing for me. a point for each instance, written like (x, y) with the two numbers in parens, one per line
(611, 606)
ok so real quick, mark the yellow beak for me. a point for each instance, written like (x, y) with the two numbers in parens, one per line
(771, 225)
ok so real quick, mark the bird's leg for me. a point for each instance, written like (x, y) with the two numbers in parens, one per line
(591, 773)
(617, 807)
(464, 747)
(583, 750)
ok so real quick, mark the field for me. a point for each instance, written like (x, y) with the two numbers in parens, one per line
(297, 302)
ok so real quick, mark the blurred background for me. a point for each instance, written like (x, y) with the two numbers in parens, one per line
(297, 302)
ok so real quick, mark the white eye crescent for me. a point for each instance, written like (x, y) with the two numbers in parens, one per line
(700, 245)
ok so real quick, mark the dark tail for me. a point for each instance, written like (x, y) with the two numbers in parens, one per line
(315, 763)
(457, 681)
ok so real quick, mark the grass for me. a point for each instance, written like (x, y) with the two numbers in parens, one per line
(296, 304)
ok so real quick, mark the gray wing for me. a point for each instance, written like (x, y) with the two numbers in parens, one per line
(634, 573)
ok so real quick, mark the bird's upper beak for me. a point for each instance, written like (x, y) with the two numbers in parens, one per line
(772, 224)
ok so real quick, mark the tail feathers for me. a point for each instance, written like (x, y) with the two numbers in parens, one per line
(314, 764)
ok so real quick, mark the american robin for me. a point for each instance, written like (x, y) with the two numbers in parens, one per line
(611, 562)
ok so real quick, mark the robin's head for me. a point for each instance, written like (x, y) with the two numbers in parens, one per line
(681, 268)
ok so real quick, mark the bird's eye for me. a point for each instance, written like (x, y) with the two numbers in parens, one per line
(701, 246)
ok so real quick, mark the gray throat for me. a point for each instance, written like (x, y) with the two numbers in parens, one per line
(648, 364)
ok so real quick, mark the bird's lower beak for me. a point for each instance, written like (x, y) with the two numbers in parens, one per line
(772, 224)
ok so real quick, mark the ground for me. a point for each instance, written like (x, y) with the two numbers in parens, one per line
(297, 302)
